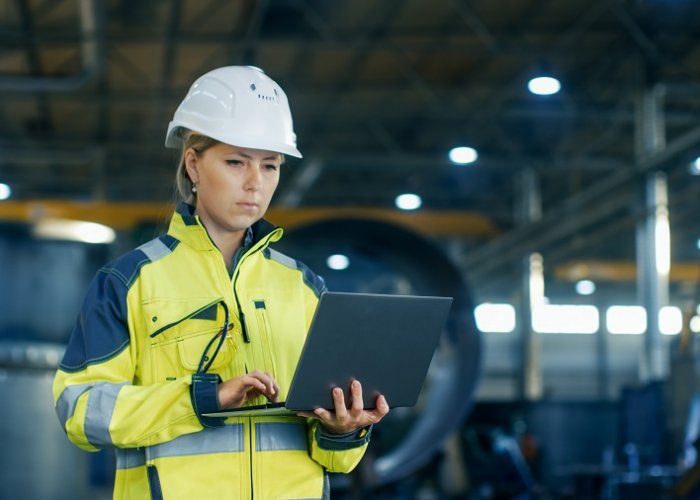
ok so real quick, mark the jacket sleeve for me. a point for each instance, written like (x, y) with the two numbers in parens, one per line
(337, 453)
(97, 399)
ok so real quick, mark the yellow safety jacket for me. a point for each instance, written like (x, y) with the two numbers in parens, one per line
(159, 328)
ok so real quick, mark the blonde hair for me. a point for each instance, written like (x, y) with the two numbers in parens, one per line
(183, 184)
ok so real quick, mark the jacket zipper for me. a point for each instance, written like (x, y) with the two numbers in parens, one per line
(236, 261)
(238, 258)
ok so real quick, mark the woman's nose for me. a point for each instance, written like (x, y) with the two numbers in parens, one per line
(253, 179)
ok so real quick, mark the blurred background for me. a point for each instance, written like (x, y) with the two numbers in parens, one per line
(538, 160)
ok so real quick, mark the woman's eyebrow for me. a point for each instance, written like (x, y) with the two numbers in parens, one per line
(249, 157)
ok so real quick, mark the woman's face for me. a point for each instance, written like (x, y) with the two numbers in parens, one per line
(234, 185)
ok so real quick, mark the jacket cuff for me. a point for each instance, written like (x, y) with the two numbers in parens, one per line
(205, 398)
(340, 442)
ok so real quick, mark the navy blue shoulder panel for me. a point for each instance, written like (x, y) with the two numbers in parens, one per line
(311, 279)
(101, 330)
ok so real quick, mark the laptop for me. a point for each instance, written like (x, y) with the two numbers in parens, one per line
(384, 341)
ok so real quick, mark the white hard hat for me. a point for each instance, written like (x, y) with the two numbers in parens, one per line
(237, 105)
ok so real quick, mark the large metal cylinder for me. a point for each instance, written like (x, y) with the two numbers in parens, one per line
(385, 258)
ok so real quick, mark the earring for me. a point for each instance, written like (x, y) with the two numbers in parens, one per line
(194, 188)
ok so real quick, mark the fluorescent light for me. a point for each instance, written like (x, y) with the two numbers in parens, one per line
(496, 318)
(626, 319)
(695, 166)
(5, 191)
(338, 262)
(695, 324)
(463, 155)
(558, 318)
(544, 85)
(408, 201)
(585, 287)
(670, 320)
(73, 230)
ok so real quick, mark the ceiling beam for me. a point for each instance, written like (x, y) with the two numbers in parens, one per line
(621, 271)
(126, 216)
(583, 209)
(92, 49)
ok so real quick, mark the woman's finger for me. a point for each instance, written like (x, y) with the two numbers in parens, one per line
(358, 405)
(341, 411)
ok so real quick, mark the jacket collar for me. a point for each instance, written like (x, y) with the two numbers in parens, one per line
(188, 228)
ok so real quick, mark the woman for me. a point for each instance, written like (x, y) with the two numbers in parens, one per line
(206, 318)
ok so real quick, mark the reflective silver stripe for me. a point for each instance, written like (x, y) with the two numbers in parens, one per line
(100, 407)
(326, 487)
(128, 458)
(155, 249)
(275, 436)
(228, 438)
(282, 259)
(68, 400)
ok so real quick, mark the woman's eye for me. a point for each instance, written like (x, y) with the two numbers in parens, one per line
(234, 162)
(271, 166)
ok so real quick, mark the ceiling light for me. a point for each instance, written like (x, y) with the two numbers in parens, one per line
(544, 85)
(670, 320)
(463, 155)
(626, 319)
(408, 201)
(5, 191)
(338, 262)
(585, 287)
(695, 324)
(73, 230)
(495, 317)
(695, 166)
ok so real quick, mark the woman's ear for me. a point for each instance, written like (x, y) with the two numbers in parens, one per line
(191, 165)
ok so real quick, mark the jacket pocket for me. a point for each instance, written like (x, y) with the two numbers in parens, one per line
(198, 349)
(184, 336)
(165, 318)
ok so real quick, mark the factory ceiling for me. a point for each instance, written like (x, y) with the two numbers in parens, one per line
(380, 91)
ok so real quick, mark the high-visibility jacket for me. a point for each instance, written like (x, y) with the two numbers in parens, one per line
(159, 328)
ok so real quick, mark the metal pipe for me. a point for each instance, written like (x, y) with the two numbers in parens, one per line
(653, 238)
(595, 202)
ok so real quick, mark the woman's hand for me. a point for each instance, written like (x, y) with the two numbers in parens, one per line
(237, 391)
(345, 420)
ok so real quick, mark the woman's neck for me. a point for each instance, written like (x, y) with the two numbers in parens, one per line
(228, 243)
